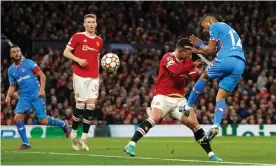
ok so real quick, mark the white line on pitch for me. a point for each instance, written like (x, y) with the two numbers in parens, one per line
(216, 142)
(141, 158)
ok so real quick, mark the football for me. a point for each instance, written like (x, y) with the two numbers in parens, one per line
(110, 62)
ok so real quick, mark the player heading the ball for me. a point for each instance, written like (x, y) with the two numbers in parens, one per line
(228, 66)
(168, 93)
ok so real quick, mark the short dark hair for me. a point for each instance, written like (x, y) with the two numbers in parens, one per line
(207, 15)
(181, 43)
(14, 46)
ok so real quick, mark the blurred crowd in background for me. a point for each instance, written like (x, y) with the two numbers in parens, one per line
(125, 95)
(137, 22)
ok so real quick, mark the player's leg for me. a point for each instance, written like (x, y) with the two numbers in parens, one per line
(209, 73)
(88, 116)
(91, 94)
(158, 110)
(22, 106)
(77, 116)
(192, 123)
(78, 85)
(143, 129)
(219, 111)
(40, 112)
(235, 67)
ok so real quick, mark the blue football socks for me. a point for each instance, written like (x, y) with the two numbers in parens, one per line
(220, 108)
(196, 91)
(22, 132)
(54, 122)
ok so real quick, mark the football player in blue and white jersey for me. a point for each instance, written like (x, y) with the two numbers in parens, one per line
(227, 66)
(24, 73)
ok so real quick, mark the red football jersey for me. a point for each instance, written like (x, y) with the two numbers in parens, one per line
(89, 48)
(172, 75)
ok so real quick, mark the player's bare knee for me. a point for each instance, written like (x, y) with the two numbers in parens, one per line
(191, 124)
(222, 94)
(156, 119)
(184, 119)
(90, 107)
(19, 118)
(190, 121)
(156, 115)
(43, 121)
(80, 105)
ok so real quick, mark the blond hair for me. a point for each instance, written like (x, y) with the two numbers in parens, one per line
(90, 16)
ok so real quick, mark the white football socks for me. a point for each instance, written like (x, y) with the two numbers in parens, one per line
(187, 107)
(211, 154)
(74, 134)
(84, 135)
(132, 143)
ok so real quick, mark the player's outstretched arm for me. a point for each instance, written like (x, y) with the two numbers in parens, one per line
(9, 94)
(202, 49)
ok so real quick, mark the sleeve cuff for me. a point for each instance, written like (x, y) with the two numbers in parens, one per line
(70, 47)
(193, 72)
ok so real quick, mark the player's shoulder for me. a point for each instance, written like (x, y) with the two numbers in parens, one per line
(99, 38)
(78, 34)
(219, 25)
(167, 57)
(84, 35)
(28, 61)
(11, 68)
(168, 54)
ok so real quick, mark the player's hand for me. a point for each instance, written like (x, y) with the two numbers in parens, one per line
(198, 63)
(196, 41)
(199, 70)
(82, 62)
(194, 50)
(8, 100)
(42, 93)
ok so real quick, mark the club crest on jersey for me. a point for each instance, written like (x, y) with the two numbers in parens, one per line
(157, 103)
(22, 70)
(169, 59)
(98, 44)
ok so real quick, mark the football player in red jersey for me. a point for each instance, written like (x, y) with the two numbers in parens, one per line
(84, 49)
(168, 94)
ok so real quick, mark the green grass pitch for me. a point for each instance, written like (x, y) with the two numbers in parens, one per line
(149, 151)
